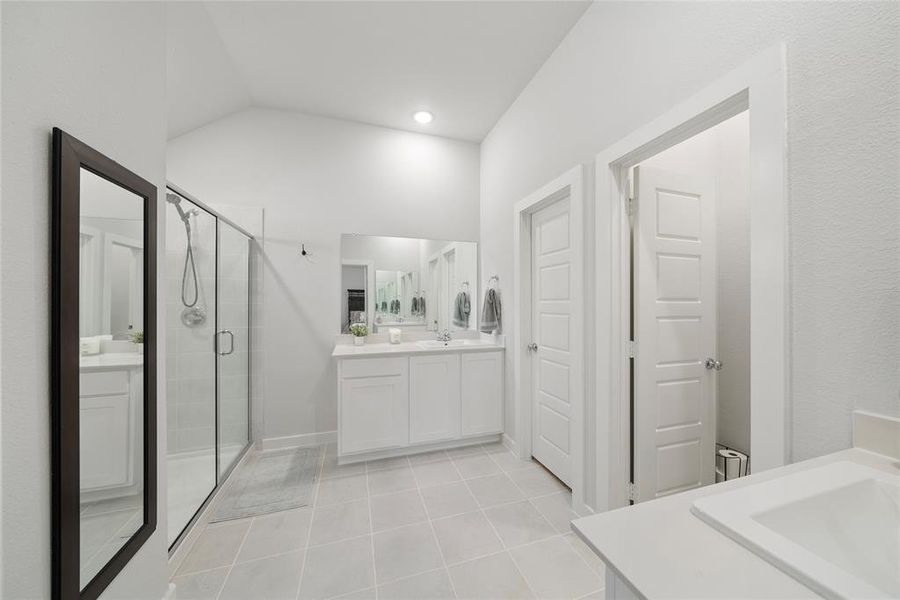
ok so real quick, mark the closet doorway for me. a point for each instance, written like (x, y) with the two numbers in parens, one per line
(549, 342)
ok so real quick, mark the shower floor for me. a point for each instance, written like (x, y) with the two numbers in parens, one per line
(191, 478)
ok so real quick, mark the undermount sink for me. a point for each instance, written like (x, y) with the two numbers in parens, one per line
(449, 343)
(835, 528)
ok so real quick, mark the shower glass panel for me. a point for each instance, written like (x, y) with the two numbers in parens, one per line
(190, 360)
(233, 345)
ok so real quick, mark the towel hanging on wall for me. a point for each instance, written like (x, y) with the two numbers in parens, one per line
(491, 312)
(461, 309)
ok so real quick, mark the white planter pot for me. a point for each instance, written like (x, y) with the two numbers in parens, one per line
(359, 340)
(140, 348)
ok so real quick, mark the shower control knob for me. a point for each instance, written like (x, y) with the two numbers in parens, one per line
(712, 363)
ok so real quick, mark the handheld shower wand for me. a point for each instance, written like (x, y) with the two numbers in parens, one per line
(197, 315)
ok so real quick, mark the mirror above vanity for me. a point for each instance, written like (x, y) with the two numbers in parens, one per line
(408, 283)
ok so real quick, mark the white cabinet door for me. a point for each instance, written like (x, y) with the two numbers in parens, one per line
(374, 404)
(433, 398)
(105, 436)
(482, 393)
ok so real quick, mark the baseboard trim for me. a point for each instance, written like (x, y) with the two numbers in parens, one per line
(510, 444)
(303, 440)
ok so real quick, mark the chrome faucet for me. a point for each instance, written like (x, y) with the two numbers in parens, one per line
(443, 336)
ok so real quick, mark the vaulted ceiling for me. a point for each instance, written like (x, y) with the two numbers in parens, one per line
(373, 61)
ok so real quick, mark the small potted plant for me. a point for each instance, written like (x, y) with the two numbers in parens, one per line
(137, 338)
(359, 331)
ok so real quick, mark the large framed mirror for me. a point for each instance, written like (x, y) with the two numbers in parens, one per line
(411, 284)
(103, 367)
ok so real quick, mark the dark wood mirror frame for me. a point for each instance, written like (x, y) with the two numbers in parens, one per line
(69, 157)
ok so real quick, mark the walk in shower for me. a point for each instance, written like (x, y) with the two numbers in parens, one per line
(208, 354)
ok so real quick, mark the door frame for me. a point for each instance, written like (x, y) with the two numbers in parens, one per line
(760, 86)
(571, 184)
(370, 286)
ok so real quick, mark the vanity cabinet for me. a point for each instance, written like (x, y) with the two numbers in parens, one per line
(108, 430)
(418, 401)
(374, 404)
(434, 398)
(482, 385)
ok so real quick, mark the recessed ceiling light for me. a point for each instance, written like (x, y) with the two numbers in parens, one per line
(424, 117)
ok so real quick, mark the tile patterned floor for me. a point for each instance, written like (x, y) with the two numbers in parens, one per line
(469, 523)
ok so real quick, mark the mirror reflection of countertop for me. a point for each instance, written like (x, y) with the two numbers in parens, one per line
(348, 350)
(112, 360)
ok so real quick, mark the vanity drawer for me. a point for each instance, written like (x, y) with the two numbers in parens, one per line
(104, 383)
(373, 367)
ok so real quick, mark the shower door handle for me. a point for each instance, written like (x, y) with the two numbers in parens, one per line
(219, 344)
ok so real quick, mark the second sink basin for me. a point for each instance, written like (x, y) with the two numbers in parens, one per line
(835, 528)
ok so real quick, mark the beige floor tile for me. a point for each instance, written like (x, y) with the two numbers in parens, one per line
(275, 534)
(331, 468)
(428, 457)
(200, 586)
(395, 510)
(466, 451)
(557, 508)
(537, 482)
(433, 585)
(405, 551)
(337, 569)
(555, 570)
(589, 556)
(465, 537)
(519, 523)
(342, 489)
(273, 578)
(494, 577)
(395, 462)
(450, 499)
(510, 462)
(388, 481)
(216, 547)
(494, 489)
(478, 465)
(339, 522)
(436, 473)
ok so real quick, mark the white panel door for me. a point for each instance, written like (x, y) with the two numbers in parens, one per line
(675, 332)
(433, 398)
(552, 364)
(482, 393)
(106, 438)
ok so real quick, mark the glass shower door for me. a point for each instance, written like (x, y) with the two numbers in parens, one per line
(190, 361)
(233, 345)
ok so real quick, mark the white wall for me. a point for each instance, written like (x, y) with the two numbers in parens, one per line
(317, 178)
(624, 63)
(97, 71)
(722, 154)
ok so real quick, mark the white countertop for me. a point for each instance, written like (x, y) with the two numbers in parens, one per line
(663, 551)
(112, 360)
(386, 349)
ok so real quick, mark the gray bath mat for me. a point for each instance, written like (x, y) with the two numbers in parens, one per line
(269, 482)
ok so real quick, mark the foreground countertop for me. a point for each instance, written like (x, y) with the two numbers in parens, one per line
(412, 347)
(663, 551)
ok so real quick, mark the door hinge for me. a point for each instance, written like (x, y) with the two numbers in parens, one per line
(631, 348)
(629, 197)
(632, 492)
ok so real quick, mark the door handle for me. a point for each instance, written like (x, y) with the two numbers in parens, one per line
(533, 347)
(712, 363)
(219, 345)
